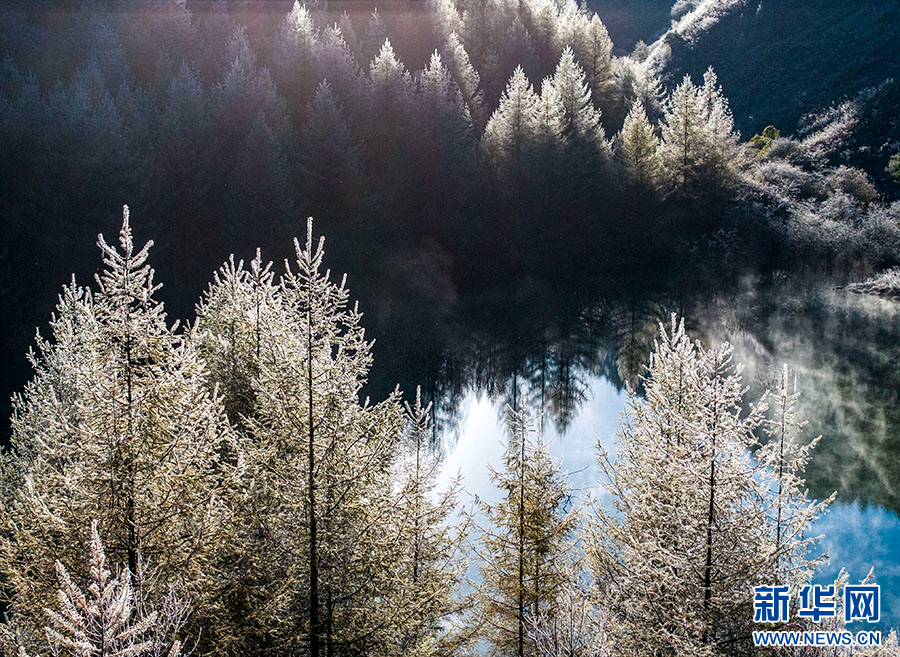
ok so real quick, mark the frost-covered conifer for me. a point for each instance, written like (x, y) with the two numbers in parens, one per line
(293, 54)
(375, 36)
(467, 79)
(791, 511)
(698, 140)
(118, 425)
(593, 50)
(637, 149)
(111, 619)
(587, 150)
(527, 544)
(336, 64)
(722, 142)
(317, 563)
(689, 522)
(682, 136)
(431, 566)
(511, 126)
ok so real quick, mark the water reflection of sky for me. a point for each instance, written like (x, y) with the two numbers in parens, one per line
(856, 538)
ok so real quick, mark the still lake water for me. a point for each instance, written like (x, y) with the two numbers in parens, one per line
(844, 350)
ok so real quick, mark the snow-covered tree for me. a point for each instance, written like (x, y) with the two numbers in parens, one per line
(431, 565)
(593, 48)
(320, 540)
(637, 149)
(722, 142)
(117, 425)
(689, 525)
(293, 54)
(387, 128)
(527, 543)
(444, 154)
(698, 141)
(375, 37)
(467, 79)
(336, 64)
(587, 150)
(511, 126)
(791, 512)
(682, 137)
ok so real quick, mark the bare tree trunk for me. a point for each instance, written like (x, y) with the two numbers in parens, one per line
(314, 630)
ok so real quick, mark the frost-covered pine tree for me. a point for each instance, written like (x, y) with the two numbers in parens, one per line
(467, 79)
(549, 139)
(637, 150)
(682, 137)
(587, 150)
(345, 25)
(315, 562)
(687, 533)
(528, 541)
(390, 113)
(237, 321)
(721, 140)
(431, 566)
(791, 511)
(336, 64)
(699, 145)
(293, 53)
(445, 147)
(375, 36)
(118, 425)
(593, 48)
(510, 128)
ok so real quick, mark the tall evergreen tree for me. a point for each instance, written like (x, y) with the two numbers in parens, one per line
(527, 542)
(510, 128)
(118, 425)
(293, 55)
(587, 149)
(375, 36)
(682, 138)
(689, 523)
(431, 566)
(467, 79)
(637, 150)
(330, 159)
(326, 568)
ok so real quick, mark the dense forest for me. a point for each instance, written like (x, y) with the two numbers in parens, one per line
(254, 504)
(250, 480)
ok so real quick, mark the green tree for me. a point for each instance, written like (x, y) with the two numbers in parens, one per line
(528, 541)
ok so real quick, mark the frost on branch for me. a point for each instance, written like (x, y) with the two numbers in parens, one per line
(110, 619)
